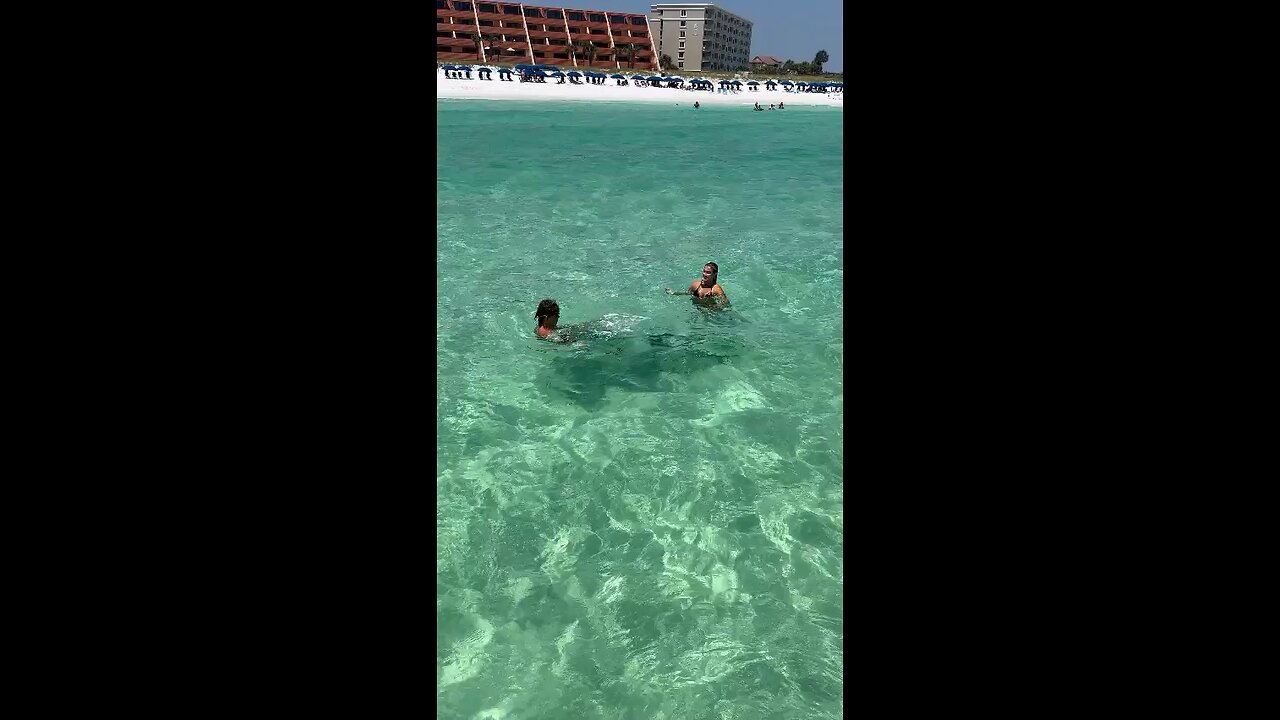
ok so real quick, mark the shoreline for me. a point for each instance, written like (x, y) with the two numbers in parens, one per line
(495, 89)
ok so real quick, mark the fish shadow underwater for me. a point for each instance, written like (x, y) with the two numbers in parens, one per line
(644, 363)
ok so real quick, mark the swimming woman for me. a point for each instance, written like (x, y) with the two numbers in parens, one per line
(706, 291)
(548, 314)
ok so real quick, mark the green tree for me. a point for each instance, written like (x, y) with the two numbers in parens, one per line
(591, 51)
(479, 41)
(789, 67)
(631, 55)
(819, 59)
(666, 63)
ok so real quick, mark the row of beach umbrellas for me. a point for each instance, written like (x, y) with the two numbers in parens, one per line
(555, 71)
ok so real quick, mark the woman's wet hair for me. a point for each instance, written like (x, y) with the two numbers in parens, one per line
(715, 269)
(547, 308)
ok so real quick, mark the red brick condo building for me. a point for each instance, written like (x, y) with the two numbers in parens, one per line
(515, 33)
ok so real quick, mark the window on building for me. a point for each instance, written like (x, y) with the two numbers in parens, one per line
(577, 16)
(573, 29)
(595, 18)
(485, 7)
(443, 34)
(511, 9)
(443, 48)
(617, 19)
(680, 55)
(539, 54)
(639, 21)
(462, 6)
(682, 22)
(487, 23)
(530, 12)
(681, 44)
(555, 14)
(680, 64)
(681, 33)
(684, 13)
(561, 56)
(442, 5)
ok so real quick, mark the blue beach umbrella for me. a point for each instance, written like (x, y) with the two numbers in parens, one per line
(753, 82)
(654, 78)
(801, 83)
(786, 82)
(724, 82)
(737, 82)
(555, 74)
(574, 73)
(617, 76)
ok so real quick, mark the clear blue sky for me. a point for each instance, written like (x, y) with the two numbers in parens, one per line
(794, 30)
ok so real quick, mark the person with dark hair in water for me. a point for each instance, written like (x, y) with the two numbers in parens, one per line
(548, 315)
(705, 291)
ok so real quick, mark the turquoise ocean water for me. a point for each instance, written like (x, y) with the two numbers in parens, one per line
(646, 523)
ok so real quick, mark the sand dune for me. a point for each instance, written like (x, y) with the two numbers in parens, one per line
(496, 89)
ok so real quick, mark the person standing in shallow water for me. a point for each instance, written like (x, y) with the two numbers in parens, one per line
(706, 291)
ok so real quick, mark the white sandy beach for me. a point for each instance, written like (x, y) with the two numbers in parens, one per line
(496, 89)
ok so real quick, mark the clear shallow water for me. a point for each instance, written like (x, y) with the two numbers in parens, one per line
(647, 524)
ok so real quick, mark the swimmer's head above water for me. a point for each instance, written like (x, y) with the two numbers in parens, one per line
(705, 289)
(548, 314)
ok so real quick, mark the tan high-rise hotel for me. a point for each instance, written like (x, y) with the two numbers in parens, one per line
(701, 36)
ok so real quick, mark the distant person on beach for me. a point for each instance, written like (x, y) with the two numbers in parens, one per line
(695, 104)
(770, 106)
(779, 104)
(705, 291)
